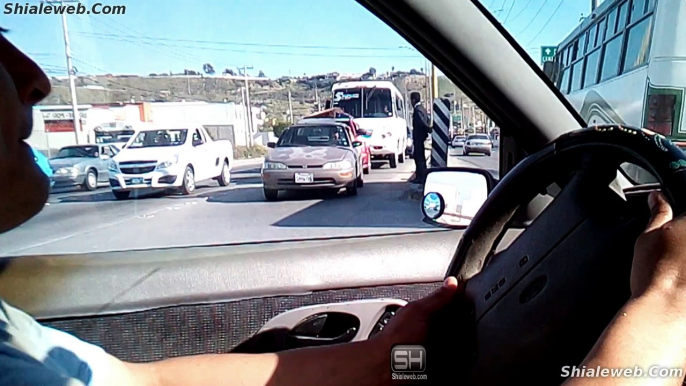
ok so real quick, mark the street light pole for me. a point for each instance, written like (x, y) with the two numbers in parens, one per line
(247, 100)
(70, 71)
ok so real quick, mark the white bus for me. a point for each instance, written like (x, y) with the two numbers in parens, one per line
(626, 64)
(379, 109)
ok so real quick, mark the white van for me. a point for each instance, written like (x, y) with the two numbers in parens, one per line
(379, 109)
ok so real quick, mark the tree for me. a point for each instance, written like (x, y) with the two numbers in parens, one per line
(372, 71)
(261, 74)
(279, 127)
(228, 71)
(392, 68)
(208, 68)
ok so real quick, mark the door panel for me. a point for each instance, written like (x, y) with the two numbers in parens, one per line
(211, 328)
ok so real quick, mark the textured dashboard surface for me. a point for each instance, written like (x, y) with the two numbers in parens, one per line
(207, 328)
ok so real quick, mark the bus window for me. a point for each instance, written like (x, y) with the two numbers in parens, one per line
(581, 47)
(564, 85)
(613, 50)
(638, 8)
(576, 75)
(591, 72)
(621, 18)
(611, 23)
(638, 45)
(591, 38)
(601, 31)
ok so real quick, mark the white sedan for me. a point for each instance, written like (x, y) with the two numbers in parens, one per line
(458, 141)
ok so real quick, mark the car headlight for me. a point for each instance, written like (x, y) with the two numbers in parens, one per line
(168, 163)
(112, 166)
(274, 166)
(338, 165)
(68, 170)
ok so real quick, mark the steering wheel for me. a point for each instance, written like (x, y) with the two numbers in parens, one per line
(542, 302)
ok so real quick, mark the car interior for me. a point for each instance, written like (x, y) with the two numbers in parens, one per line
(538, 295)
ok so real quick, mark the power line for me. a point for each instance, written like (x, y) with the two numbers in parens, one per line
(534, 18)
(260, 44)
(509, 11)
(126, 39)
(546, 23)
(522, 11)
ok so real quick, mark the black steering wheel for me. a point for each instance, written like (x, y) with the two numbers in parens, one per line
(540, 303)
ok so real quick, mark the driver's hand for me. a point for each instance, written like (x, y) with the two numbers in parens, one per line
(410, 325)
(660, 252)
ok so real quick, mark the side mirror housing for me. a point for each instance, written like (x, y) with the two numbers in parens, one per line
(357, 143)
(453, 195)
(271, 145)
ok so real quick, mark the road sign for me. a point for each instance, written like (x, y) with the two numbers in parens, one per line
(440, 135)
(548, 53)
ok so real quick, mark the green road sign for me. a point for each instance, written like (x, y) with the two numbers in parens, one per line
(548, 53)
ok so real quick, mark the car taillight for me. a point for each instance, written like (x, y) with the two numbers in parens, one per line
(660, 113)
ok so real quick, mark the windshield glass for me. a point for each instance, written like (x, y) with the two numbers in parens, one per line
(159, 138)
(78, 152)
(314, 136)
(483, 137)
(113, 137)
(365, 102)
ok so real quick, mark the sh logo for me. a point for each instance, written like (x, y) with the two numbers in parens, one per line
(408, 359)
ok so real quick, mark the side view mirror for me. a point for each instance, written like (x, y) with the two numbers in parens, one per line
(357, 143)
(271, 145)
(453, 196)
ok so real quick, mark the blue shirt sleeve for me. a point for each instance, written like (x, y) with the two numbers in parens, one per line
(32, 354)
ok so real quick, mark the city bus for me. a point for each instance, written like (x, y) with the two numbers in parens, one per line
(379, 109)
(626, 64)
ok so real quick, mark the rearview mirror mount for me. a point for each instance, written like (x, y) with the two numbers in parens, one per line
(453, 196)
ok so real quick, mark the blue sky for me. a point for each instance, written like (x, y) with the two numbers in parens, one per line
(157, 36)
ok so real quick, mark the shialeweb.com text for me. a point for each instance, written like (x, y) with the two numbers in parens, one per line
(408, 377)
(59, 9)
(629, 372)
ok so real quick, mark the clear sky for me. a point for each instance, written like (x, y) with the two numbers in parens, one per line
(279, 37)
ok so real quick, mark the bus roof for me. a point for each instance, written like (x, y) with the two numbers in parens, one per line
(590, 19)
(366, 84)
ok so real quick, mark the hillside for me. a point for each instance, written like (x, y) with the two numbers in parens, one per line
(272, 94)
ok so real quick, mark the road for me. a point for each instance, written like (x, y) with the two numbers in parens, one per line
(80, 222)
(490, 163)
(77, 222)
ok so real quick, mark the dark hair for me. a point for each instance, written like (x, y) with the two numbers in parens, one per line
(415, 96)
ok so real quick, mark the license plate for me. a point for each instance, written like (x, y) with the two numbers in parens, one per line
(136, 181)
(304, 178)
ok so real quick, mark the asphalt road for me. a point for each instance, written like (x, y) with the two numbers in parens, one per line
(490, 163)
(78, 222)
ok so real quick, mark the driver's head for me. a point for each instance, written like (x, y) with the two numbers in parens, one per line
(24, 187)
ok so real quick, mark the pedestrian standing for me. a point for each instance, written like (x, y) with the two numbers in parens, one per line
(420, 132)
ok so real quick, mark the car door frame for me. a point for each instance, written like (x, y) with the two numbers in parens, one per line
(201, 156)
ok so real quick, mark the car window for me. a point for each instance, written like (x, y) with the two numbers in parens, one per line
(248, 74)
(78, 152)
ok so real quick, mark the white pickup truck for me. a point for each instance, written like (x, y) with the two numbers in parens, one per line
(164, 157)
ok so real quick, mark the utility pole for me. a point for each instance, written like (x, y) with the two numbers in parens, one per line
(70, 71)
(247, 127)
(247, 100)
(316, 96)
(290, 107)
(594, 5)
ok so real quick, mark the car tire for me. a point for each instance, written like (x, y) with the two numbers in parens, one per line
(360, 181)
(121, 194)
(188, 185)
(465, 152)
(91, 181)
(488, 154)
(224, 178)
(270, 194)
(365, 170)
(393, 161)
(352, 190)
(401, 158)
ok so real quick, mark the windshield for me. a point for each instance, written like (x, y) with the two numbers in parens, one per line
(78, 152)
(159, 138)
(314, 136)
(113, 137)
(365, 102)
(246, 76)
(482, 137)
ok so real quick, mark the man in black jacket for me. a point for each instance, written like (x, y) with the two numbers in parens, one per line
(420, 131)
